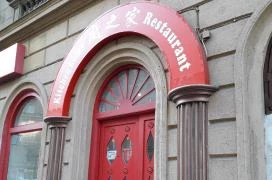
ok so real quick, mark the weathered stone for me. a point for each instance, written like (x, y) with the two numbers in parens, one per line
(172, 143)
(215, 12)
(224, 168)
(222, 138)
(84, 18)
(48, 37)
(225, 38)
(34, 61)
(221, 70)
(222, 104)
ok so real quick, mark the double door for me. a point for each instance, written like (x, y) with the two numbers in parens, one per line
(127, 148)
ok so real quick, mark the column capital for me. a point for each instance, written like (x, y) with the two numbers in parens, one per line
(57, 121)
(191, 93)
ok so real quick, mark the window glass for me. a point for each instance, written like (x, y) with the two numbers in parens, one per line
(126, 149)
(150, 146)
(25, 143)
(30, 112)
(24, 154)
(130, 87)
(111, 151)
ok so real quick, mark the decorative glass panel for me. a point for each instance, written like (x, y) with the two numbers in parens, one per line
(148, 85)
(111, 151)
(146, 98)
(109, 96)
(150, 146)
(24, 155)
(113, 86)
(126, 149)
(30, 112)
(134, 86)
(141, 78)
(103, 107)
(123, 82)
(132, 76)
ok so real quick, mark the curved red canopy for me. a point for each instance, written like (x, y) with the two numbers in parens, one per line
(175, 38)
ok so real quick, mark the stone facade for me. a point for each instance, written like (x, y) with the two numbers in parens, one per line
(235, 52)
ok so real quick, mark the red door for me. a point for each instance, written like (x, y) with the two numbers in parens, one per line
(123, 127)
(127, 149)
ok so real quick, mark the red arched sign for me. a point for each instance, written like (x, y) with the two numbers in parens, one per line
(180, 46)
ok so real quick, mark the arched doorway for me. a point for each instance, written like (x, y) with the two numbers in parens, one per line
(124, 137)
(185, 70)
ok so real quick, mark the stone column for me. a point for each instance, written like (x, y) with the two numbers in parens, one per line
(192, 138)
(56, 127)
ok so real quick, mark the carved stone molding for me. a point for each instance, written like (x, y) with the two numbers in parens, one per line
(56, 127)
(26, 6)
(35, 22)
(192, 138)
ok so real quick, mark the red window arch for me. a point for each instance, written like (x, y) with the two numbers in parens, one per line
(123, 117)
(21, 137)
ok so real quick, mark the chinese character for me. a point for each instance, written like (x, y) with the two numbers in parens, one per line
(110, 23)
(131, 15)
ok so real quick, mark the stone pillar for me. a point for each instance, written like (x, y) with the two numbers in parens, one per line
(56, 127)
(192, 138)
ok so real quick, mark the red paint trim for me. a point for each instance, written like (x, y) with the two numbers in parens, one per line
(26, 128)
(161, 24)
(136, 110)
(9, 128)
(98, 118)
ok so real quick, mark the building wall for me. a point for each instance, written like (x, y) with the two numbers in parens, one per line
(6, 14)
(225, 20)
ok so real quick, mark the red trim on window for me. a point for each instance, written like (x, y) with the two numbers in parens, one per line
(128, 112)
(26, 128)
(8, 129)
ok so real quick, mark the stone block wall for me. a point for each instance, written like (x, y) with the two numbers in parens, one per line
(6, 14)
(223, 19)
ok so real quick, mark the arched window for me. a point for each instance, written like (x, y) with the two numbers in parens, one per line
(22, 138)
(267, 76)
(131, 89)
(123, 128)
